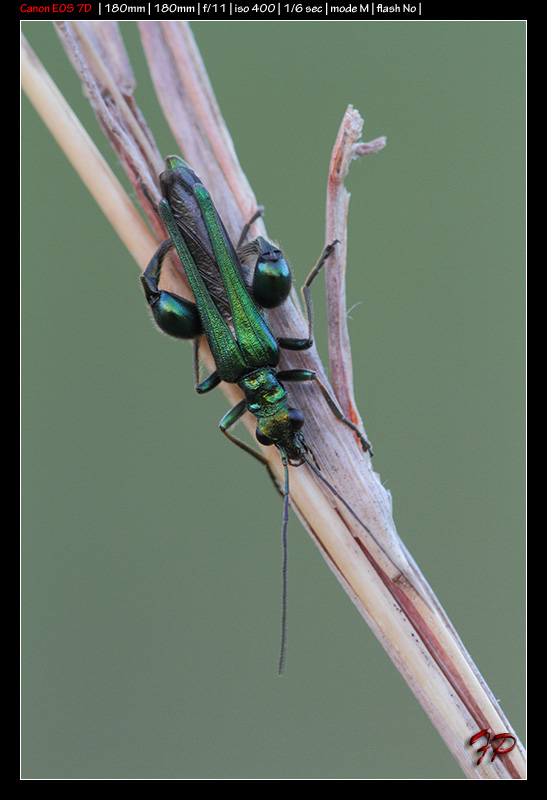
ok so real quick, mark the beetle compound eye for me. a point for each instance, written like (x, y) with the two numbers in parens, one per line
(262, 438)
(297, 418)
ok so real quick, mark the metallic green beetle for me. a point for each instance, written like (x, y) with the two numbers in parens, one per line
(229, 313)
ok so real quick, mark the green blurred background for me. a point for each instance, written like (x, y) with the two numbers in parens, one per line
(151, 588)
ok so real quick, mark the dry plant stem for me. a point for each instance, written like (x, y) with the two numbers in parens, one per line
(97, 53)
(368, 558)
(178, 72)
(84, 156)
(346, 148)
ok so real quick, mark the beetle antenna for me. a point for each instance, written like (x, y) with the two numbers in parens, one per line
(338, 496)
(283, 647)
